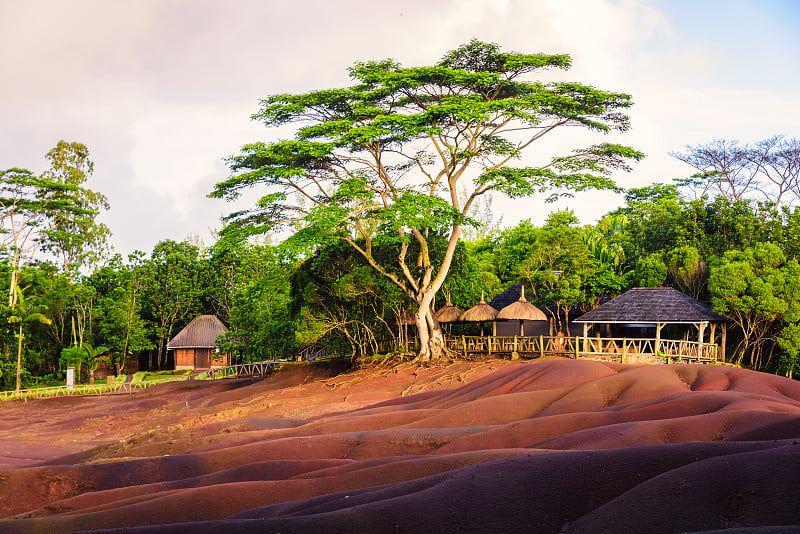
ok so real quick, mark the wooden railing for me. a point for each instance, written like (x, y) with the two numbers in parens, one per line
(259, 369)
(116, 388)
(576, 347)
(311, 353)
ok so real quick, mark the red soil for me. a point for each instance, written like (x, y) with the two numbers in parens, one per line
(550, 446)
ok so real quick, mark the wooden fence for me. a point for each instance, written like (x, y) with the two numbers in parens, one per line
(259, 369)
(579, 347)
(116, 388)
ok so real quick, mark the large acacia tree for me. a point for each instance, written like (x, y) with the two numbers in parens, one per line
(385, 159)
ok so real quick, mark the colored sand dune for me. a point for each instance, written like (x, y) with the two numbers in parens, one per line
(552, 446)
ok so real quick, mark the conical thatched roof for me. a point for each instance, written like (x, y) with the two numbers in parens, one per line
(521, 310)
(448, 313)
(652, 305)
(200, 333)
(479, 313)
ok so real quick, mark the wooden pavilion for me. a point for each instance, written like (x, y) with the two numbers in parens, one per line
(656, 307)
(449, 313)
(195, 345)
(480, 313)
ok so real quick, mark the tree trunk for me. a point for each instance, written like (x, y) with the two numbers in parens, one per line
(160, 349)
(19, 360)
(431, 338)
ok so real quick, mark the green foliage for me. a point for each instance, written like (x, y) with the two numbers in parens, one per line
(687, 269)
(383, 161)
(121, 324)
(173, 283)
(71, 357)
(138, 376)
(252, 290)
(74, 235)
(340, 300)
(789, 341)
(759, 289)
(651, 271)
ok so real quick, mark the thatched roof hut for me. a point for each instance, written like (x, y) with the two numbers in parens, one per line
(521, 310)
(448, 313)
(480, 313)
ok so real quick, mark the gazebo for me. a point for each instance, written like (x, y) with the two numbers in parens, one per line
(657, 307)
(521, 310)
(195, 345)
(448, 313)
(480, 313)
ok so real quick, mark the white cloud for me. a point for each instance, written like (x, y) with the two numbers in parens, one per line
(161, 91)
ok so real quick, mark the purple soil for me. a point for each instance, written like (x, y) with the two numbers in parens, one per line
(549, 446)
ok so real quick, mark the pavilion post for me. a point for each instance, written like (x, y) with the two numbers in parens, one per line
(657, 347)
(585, 337)
(701, 327)
(723, 341)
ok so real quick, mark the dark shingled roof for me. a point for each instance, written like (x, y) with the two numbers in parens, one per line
(202, 332)
(507, 297)
(652, 305)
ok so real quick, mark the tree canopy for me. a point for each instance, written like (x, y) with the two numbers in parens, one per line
(384, 160)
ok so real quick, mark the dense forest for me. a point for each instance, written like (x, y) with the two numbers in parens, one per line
(369, 247)
(739, 255)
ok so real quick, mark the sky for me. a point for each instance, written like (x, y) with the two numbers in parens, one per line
(161, 91)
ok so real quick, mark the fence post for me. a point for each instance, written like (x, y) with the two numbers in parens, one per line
(624, 349)
(576, 347)
(541, 346)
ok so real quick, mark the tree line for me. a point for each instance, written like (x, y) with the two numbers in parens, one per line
(386, 191)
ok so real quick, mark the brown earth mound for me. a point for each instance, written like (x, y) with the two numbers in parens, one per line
(551, 446)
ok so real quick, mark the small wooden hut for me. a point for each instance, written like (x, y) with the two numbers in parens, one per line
(195, 345)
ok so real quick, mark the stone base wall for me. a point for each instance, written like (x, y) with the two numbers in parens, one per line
(638, 359)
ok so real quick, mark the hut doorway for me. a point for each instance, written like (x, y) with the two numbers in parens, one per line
(202, 358)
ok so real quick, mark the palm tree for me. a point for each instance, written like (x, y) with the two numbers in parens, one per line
(94, 355)
(25, 312)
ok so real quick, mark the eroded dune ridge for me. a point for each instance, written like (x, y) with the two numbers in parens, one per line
(551, 446)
